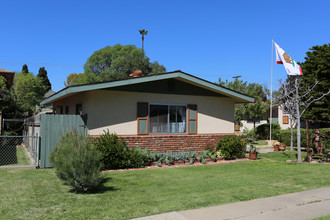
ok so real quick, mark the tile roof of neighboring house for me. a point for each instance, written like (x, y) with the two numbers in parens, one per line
(5, 71)
(49, 93)
(9, 75)
(178, 74)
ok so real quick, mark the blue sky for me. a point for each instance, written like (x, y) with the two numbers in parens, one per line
(209, 39)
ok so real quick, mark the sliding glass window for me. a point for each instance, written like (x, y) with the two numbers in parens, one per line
(167, 118)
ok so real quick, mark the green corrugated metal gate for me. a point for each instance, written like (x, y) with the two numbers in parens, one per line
(52, 127)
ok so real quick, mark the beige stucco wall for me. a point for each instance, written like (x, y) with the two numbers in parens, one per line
(71, 101)
(116, 111)
(249, 124)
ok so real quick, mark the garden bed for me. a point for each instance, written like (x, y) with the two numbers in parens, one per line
(180, 164)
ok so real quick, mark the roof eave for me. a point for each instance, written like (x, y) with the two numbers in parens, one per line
(238, 97)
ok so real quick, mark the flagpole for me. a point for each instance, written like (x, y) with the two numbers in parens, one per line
(271, 97)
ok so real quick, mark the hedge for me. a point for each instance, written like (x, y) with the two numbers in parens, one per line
(285, 137)
(263, 131)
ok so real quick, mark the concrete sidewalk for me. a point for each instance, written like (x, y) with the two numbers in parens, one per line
(302, 205)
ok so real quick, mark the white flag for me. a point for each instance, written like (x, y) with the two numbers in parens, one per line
(291, 67)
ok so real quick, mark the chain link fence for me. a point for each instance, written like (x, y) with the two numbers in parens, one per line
(19, 151)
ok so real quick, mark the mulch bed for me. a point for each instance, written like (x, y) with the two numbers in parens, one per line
(180, 165)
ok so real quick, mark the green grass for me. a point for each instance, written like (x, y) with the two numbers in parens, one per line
(259, 143)
(39, 194)
(19, 159)
(327, 217)
(281, 156)
(22, 157)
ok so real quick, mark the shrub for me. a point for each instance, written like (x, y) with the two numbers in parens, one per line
(138, 158)
(232, 147)
(250, 135)
(116, 154)
(77, 162)
(263, 131)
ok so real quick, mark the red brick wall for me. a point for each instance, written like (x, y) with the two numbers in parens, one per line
(163, 143)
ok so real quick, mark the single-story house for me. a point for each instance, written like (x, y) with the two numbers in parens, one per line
(170, 111)
(278, 116)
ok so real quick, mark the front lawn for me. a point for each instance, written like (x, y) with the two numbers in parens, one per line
(39, 194)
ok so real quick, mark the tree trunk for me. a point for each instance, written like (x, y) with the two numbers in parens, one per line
(298, 121)
(142, 42)
(291, 128)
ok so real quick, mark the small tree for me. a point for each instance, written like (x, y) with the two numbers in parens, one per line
(286, 104)
(299, 99)
(77, 162)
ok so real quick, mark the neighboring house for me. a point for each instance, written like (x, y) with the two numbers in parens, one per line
(171, 111)
(9, 76)
(45, 108)
(278, 116)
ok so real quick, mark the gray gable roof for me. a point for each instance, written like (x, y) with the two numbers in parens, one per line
(178, 75)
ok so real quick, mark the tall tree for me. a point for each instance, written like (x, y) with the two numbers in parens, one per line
(28, 91)
(117, 62)
(25, 69)
(4, 93)
(143, 32)
(42, 75)
(252, 111)
(75, 79)
(317, 68)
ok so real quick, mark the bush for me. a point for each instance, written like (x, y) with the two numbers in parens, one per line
(116, 154)
(263, 131)
(77, 162)
(232, 147)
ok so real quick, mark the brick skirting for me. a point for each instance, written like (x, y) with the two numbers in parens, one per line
(175, 143)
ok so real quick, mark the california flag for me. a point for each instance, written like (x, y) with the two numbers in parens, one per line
(291, 67)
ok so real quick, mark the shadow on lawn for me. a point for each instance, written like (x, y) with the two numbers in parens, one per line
(100, 189)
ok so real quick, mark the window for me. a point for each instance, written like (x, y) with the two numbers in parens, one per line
(61, 110)
(142, 117)
(192, 119)
(167, 118)
(67, 109)
(79, 109)
(252, 122)
(285, 120)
